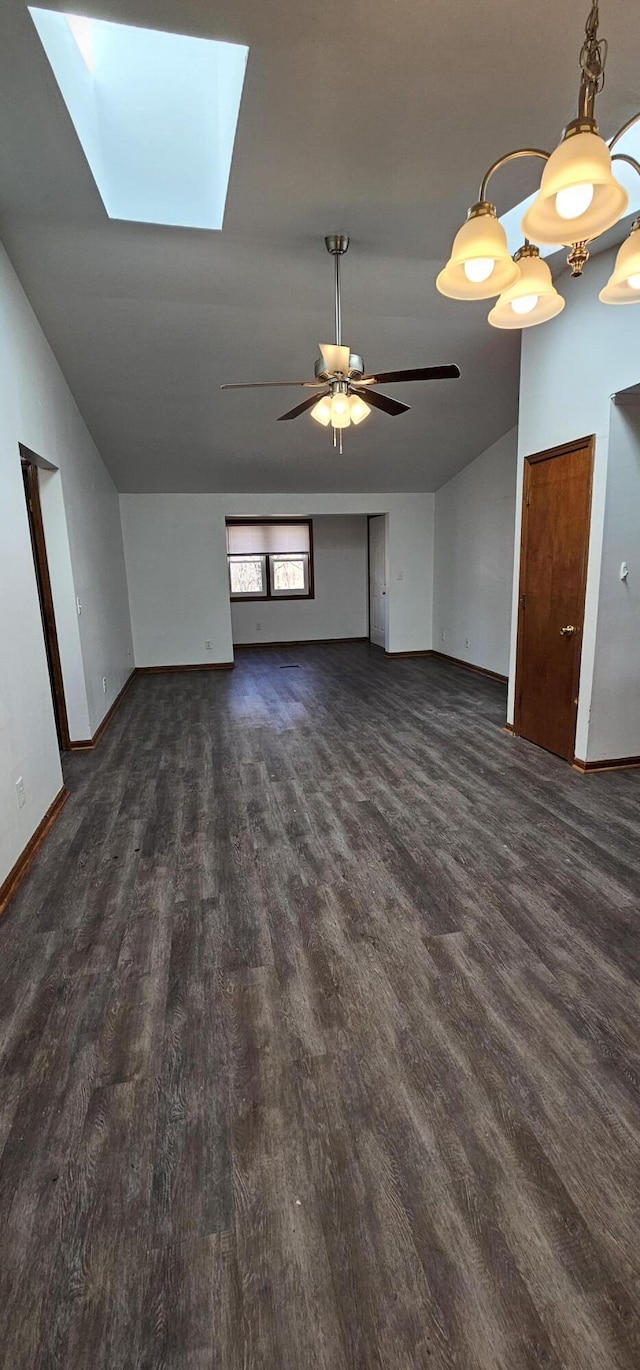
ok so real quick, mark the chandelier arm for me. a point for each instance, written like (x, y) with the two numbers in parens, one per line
(625, 127)
(510, 157)
(624, 157)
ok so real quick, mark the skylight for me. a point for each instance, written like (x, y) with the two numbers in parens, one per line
(155, 113)
(82, 30)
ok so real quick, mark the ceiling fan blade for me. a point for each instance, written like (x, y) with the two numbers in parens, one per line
(301, 408)
(419, 373)
(335, 358)
(264, 385)
(384, 402)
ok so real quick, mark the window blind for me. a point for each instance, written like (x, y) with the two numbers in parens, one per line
(262, 539)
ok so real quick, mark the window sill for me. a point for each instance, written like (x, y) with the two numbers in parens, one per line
(266, 599)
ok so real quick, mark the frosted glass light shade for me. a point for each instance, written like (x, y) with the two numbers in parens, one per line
(623, 286)
(480, 240)
(535, 281)
(322, 410)
(340, 414)
(358, 408)
(581, 160)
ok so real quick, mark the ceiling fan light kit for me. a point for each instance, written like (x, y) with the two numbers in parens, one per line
(579, 198)
(347, 394)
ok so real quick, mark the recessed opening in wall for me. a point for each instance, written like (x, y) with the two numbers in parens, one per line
(270, 559)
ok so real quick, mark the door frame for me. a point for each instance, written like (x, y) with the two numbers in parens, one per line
(29, 473)
(369, 518)
(533, 460)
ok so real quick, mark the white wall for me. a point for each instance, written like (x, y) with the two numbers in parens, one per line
(80, 509)
(614, 726)
(570, 369)
(176, 558)
(339, 606)
(175, 549)
(474, 533)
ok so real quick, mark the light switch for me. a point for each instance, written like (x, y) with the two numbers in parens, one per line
(624, 571)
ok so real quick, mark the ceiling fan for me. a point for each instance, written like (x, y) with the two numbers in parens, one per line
(346, 392)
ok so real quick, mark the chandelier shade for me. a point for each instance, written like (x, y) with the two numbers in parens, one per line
(623, 286)
(532, 300)
(579, 197)
(480, 265)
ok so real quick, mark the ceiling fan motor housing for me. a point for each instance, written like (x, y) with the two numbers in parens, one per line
(337, 243)
(356, 369)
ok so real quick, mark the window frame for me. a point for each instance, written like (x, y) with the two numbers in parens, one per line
(304, 557)
(277, 595)
(249, 594)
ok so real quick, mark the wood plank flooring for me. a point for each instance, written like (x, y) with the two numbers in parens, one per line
(319, 1037)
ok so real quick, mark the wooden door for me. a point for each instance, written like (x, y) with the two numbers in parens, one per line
(553, 571)
(36, 528)
(377, 581)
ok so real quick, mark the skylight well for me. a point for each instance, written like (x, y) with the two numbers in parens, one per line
(155, 113)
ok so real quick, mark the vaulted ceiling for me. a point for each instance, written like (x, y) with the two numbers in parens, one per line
(375, 119)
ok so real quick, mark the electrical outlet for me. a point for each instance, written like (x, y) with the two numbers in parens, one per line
(467, 642)
(258, 627)
(104, 684)
(443, 635)
(207, 645)
(20, 794)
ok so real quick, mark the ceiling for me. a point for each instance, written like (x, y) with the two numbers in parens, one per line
(375, 119)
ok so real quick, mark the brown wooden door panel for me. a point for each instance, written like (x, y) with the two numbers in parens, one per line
(555, 541)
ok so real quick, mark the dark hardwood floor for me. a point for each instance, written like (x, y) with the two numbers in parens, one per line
(319, 1037)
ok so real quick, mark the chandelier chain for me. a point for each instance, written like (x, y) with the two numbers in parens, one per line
(593, 53)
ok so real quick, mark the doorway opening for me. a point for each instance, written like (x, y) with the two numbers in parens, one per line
(556, 521)
(378, 580)
(30, 476)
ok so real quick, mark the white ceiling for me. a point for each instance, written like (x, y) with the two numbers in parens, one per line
(375, 119)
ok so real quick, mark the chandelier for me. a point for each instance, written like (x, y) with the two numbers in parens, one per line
(578, 199)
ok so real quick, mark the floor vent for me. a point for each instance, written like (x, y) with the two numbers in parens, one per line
(291, 666)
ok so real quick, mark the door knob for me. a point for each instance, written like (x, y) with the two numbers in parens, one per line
(568, 631)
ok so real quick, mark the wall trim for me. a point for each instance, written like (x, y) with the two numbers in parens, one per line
(302, 642)
(395, 655)
(618, 763)
(17, 873)
(452, 661)
(196, 666)
(87, 744)
(469, 666)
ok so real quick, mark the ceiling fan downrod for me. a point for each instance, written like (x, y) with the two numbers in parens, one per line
(337, 244)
